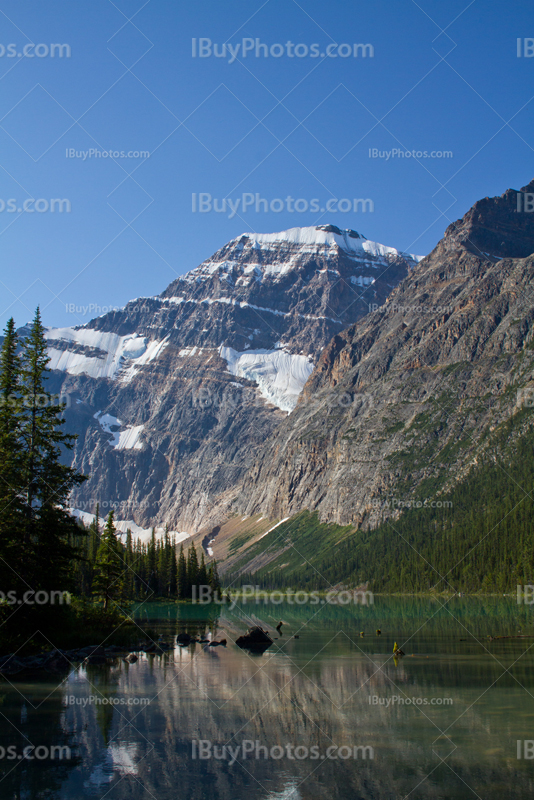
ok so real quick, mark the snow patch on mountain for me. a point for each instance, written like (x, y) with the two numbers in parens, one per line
(361, 280)
(274, 526)
(143, 534)
(280, 375)
(152, 351)
(99, 354)
(107, 422)
(128, 439)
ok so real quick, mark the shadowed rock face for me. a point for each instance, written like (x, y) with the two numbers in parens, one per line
(405, 396)
(497, 226)
(174, 430)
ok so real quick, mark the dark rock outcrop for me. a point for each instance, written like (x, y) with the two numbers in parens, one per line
(255, 639)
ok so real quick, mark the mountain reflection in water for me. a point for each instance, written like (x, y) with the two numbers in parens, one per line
(311, 693)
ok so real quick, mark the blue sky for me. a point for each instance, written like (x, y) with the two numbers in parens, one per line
(442, 77)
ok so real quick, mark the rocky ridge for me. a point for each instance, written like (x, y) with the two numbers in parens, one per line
(399, 404)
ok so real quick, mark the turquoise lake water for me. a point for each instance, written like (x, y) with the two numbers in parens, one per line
(330, 714)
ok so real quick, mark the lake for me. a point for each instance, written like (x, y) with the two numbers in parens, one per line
(330, 714)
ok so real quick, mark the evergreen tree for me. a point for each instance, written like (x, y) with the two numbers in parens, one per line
(151, 564)
(48, 481)
(202, 577)
(214, 579)
(192, 568)
(94, 531)
(11, 482)
(31, 445)
(129, 574)
(184, 589)
(173, 572)
(109, 566)
(162, 567)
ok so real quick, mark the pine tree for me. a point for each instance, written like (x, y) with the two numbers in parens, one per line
(214, 580)
(162, 567)
(11, 481)
(173, 572)
(109, 566)
(184, 590)
(48, 526)
(151, 564)
(202, 577)
(94, 534)
(192, 568)
(129, 575)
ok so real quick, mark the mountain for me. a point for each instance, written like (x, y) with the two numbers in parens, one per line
(403, 404)
(173, 397)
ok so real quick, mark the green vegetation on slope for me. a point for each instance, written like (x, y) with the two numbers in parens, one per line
(481, 539)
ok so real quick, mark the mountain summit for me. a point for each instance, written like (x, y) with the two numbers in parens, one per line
(173, 396)
(498, 227)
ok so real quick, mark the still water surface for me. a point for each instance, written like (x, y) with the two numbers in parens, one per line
(474, 699)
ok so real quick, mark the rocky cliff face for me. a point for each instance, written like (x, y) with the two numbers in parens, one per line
(399, 404)
(174, 396)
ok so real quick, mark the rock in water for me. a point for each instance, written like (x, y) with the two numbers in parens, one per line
(131, 658)
(255, 639)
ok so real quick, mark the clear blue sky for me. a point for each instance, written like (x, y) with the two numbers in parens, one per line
(444, 76)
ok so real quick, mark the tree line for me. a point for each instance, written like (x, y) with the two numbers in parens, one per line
(113, 570)
(36, 530)
(44, 550)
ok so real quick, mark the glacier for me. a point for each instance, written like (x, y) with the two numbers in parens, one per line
(280, 375)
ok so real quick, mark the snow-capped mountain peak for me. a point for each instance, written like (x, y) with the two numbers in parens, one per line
(257, 256)
(173, 394)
